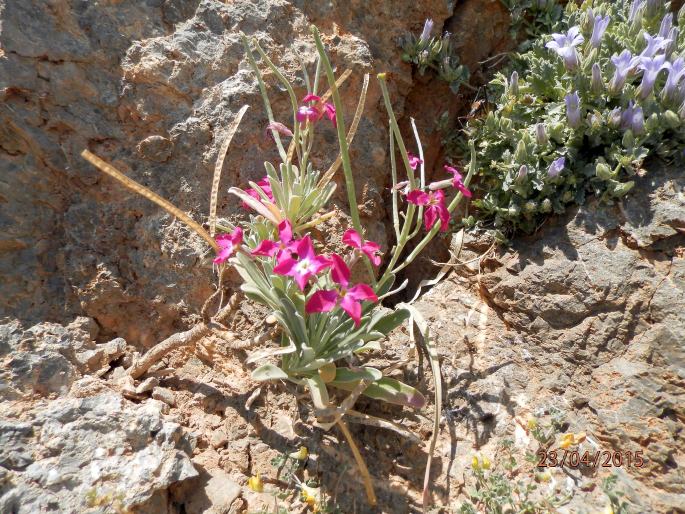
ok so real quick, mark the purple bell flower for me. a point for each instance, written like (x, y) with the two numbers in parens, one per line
(624, 63)
(565, 46)
(651, 67)
(573, 109)
(598, 30)
(556, 167)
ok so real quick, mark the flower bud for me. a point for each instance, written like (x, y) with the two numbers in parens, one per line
(671, 119)
(546, 206)
(597, 84)
(514, 84)
(523, 171)
(530, 206)
(614, 118)
(541, 134)
(603, 171)
(521, 154)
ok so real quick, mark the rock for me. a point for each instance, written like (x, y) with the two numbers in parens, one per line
(164, 395)
(581, 319)
(155, 148)
(213, 492)
(147, 385)
(79, 450)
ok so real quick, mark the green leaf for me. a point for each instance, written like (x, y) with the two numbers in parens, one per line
(396, 392)
(390, 322)
(319, 392)
(346, 375)
(269, 372)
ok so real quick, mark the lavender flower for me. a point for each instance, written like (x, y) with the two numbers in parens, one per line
(597, 84)
(672, 41)
(556, 167)
(523, 171)
(625, 63)
(635, 8)
(670, 92)
(573, 109)
(614, 118)
(651, 67)
(633, 119)
(654, 45)
(565, 46)
(666, 24)
(427, 29)
(598, 30)
(541, 134)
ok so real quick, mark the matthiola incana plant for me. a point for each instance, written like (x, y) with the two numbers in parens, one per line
(580, 111)
(324, 315)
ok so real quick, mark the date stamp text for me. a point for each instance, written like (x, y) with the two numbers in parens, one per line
(576, 459)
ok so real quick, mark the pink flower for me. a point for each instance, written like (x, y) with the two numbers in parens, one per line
(369, 248)
(268, 248)
(265, 186)
(414, 161)
(435, 207)
(227, 244)
(349, 298)
(278, 127)
(306, 265)
(315, 110)
(457, 181)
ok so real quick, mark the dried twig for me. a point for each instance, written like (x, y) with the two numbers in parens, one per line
(219, 166)
(110, 170)
(180, 339)
(363, 470)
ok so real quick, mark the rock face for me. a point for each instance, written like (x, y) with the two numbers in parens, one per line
(585, 320)
(74, 445)
(152, 86)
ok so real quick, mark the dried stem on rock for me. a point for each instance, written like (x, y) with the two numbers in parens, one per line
(180, 339)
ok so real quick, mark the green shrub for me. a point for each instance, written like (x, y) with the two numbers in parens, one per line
(578, 114)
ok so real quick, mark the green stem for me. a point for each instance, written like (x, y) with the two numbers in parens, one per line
(453, 204)
(396, 130)
(342, 138)
(265, 97)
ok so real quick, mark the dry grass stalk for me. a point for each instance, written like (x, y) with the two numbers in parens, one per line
(110, 170)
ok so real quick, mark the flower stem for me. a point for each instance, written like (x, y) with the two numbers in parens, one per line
(340, 124)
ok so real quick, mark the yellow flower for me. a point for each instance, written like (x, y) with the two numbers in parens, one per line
(255, 483)
(608, 509)
(311, 496)
(474, 463)
(567, 440)
(543, 477)
(486, 463)
(532, 423)
(382, 76)
(301, 454)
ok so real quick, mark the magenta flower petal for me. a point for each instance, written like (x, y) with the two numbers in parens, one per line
(362, 292)
(329, 109)
(322, 301)
(266, 248)
(285, 266)
(319, 263)
(414, 161)
(285, 232)
(311, 98)
(429, 217)
(373, 252)
(353, 308)
(340, 273)
(305, 113)
(228, 244)
(352, 238)
(418, 197)
(464, 190)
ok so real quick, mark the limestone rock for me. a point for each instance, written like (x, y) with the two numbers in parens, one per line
(75, 452)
